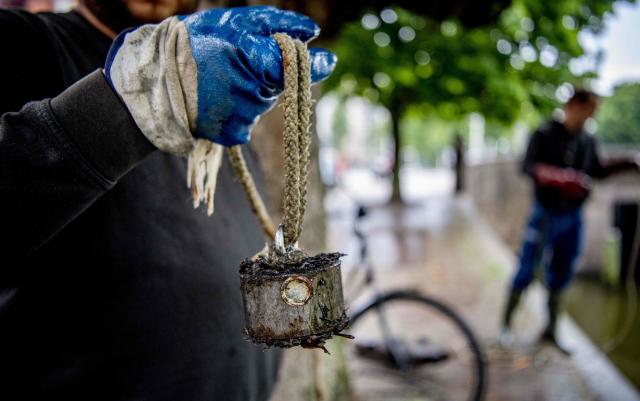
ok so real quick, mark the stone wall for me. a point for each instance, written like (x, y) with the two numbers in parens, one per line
(503, 197)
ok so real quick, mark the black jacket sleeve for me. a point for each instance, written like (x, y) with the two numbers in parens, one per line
(532, 155)
(57, 157)
(615, 166)
(602, 169)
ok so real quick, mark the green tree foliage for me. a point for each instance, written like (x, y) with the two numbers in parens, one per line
(619, 115)
(508, 71)
(501, 71)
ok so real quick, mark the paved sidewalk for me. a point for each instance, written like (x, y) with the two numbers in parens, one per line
(441, 247)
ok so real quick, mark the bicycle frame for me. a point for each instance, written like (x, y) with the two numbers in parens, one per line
(397, 351)
(399, 356)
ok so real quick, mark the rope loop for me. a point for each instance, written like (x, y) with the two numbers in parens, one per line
(296, 142)
(297, 116)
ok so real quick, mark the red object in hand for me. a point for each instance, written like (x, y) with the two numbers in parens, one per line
(572, 182)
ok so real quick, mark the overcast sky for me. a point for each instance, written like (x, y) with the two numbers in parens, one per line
(621, 44)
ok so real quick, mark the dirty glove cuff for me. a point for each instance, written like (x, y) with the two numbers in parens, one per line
(154, 72)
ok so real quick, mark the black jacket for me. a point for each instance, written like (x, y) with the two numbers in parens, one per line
(112, 287)
(552, 144)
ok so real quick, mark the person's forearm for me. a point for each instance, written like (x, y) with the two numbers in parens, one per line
(563, 178)
(57, 157)
(548, 175)
(615, 166)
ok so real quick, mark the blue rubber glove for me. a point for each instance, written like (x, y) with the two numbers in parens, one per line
(212, 73)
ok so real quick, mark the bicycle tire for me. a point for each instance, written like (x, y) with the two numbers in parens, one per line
(479, 361)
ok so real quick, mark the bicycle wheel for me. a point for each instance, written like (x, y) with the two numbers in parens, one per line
(412, 347)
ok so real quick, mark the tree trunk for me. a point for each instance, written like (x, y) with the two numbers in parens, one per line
(458, 145)
(396, 197)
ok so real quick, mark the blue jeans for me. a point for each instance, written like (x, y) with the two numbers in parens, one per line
(555, 235)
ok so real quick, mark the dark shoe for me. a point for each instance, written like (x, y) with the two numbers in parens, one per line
(414, 353)
(510, 307)
(550, 338)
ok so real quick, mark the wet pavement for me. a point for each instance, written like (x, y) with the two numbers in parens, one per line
(442, 248)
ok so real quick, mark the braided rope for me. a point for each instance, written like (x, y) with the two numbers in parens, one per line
(291, 138)
(255, 200)
(296, 137)
(304, 124)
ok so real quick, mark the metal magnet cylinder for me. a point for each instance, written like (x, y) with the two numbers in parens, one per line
(293, 303)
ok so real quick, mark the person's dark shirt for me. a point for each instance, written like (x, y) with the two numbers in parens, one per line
(553, 145)
(112, 287)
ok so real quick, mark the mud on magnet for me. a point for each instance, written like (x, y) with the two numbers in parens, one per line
(293, 299)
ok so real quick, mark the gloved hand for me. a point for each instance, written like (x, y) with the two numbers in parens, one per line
(210, 74)
(572, 182)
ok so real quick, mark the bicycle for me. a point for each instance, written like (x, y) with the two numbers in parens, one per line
(403, 331)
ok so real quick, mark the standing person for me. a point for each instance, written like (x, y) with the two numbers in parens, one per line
(561, 160)
(112, 287)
